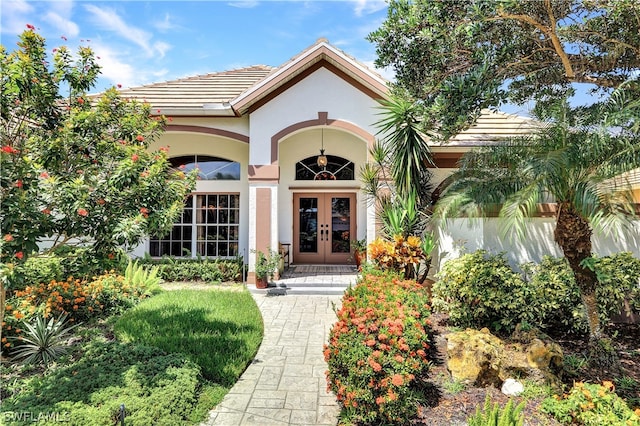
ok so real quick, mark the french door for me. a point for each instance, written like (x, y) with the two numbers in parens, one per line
(324, 225)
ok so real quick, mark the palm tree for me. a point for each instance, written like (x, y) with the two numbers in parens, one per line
(566, 162)
(397, 177)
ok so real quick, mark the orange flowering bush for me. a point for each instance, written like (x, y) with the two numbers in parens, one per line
(377, 350)
(401, 255)
(80, 300)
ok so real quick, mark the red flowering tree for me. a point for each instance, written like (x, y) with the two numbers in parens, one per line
(76, 168)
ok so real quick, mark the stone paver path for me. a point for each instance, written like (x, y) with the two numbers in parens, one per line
(285, 384)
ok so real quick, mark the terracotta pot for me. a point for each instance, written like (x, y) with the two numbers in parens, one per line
(261, 283)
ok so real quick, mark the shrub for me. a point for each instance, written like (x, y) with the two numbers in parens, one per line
(80, 300)
(43, 342)
(557, 297)
(209, 270)
(493, 415)
(481, 290)
(410, 255)
(591, 405)
(40, 269)
(377, 350)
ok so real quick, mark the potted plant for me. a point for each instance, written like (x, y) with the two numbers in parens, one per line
(266, 267)
(359, 248)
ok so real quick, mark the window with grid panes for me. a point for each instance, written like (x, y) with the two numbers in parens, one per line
(209, 226)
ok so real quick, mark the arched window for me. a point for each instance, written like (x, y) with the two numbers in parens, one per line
(337, 168)
(210, 168)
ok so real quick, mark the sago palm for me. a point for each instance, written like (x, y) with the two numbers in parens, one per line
(573, 165)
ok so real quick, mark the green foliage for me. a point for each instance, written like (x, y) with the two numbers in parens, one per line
(77, 167)
(481, 290)
(218, 330)
(43, 342)
(138, 276)
(377, 350)
(557, 297)
(36, 270)
(493, 415)
(591, 405)
(203, 269)
(456, 58)
(156, 388)
(267, 264)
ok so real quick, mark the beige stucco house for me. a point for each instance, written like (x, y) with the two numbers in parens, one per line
(256, 133)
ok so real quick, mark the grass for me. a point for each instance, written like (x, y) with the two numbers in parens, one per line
(175, 357)
(218, 330)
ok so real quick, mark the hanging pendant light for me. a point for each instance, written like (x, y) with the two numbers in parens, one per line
(322, 159)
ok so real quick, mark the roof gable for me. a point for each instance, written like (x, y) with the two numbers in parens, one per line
(321, 54)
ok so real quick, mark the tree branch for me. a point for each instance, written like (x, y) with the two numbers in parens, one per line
(549, 31)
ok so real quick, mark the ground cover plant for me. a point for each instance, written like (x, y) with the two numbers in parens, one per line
(377, 350)
(167, 377)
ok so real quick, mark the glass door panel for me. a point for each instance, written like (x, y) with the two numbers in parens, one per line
(308, 219)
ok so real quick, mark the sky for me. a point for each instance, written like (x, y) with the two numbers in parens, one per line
(142, 42)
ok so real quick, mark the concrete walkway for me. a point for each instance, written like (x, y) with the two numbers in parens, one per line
(285, 384)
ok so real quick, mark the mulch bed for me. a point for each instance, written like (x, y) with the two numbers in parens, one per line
(445, 408)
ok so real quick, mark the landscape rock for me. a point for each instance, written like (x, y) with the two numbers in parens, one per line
(512, 387)
(479, 358)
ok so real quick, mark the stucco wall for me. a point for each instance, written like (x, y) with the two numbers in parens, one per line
(464, 235)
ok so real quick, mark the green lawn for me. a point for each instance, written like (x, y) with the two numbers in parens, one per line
(174, 357)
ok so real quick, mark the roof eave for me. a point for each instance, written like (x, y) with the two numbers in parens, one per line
(321, 51)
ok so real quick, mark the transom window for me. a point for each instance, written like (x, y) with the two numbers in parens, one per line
(209, 226)
(337, 168)
(209, 168)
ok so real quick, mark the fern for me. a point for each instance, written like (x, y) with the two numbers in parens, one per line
(493, 415)
(140, 277)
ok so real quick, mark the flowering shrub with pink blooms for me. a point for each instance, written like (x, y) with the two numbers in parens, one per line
(377, 350)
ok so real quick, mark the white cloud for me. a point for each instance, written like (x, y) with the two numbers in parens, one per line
(113, 69)
(244, 4)
(109, 20)
(166, 24)
(15, 16)
(68, 28)
(369, 6)
(59, 16)
(161, 47)
(119, 69)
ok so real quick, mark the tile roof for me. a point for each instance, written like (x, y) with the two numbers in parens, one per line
(492, 126)
(199, 93)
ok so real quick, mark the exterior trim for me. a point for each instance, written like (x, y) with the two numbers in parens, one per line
(208, 130)
(264, 173)
(322, 120)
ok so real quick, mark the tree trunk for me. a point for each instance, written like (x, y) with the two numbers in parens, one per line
(573, 235)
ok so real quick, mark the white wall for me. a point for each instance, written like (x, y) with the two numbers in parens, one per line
(463, 235)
